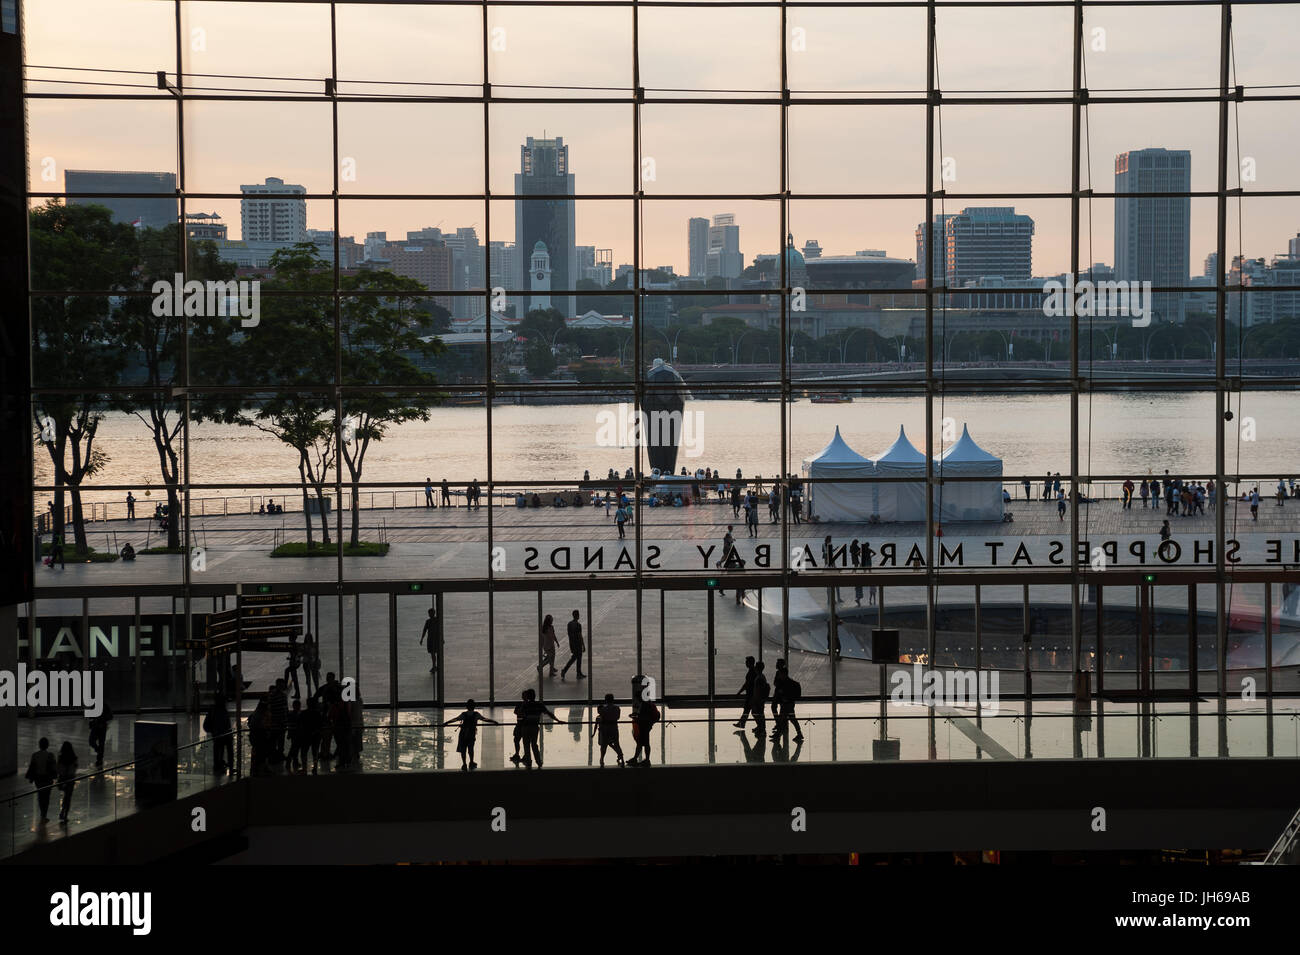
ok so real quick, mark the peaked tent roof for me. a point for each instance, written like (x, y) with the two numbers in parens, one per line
(965, 449)
(901, 452)
(837, 452)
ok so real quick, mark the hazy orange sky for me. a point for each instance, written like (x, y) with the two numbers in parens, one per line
(438, 148)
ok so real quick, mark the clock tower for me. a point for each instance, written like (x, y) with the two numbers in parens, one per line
(539, 277)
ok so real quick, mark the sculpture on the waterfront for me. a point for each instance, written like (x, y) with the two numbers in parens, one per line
(662, 418)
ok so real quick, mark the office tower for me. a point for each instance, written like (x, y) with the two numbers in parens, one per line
(429, 263)
(1211, 265)
(273, 212)
(724, 257)
(374, 244)
(940, 249)
(1293, 247)
(544, 171)
(466, 270)
(1153, 235)
(146, 213)
(991, 242)
(697, 246)
(350, 250)
(584, 261)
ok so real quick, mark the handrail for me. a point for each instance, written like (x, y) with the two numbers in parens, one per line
(1286, 843)
(101, 770)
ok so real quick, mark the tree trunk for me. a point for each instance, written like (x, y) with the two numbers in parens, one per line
(306, 513)
(78, 522)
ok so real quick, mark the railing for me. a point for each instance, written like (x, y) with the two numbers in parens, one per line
(100, 796)
(1284, 850)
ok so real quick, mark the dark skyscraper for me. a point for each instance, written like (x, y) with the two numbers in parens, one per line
(544, 170)
(151, 213)
(1153, 236)
(697, 244)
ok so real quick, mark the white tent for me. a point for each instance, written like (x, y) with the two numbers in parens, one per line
(836, 501)
(968, 500)
(903, 500)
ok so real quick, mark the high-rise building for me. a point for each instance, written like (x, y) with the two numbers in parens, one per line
(351, 252)
(504, 271)
(147, 213)
(940, 249)
(429, 263)
(1152, 234)
(724, 257)
(374, 244)
(1293, 247)
(273, 212)
(697, 247)
(544, 171)
(992, 242)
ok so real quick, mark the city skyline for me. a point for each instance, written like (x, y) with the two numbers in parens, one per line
(438, 148)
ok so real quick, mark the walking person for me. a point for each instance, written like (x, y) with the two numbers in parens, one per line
(1254, 504)
(1281, 493)
(468, 735)
(549, 646)
(1166, 534)
(746, 691)
(67, 770)
(42, 771)
(294, 660)
(99, 732)
(130, 506)
(216, 723)
(430, 631)
(311, 662)
(774, 503)
(576, 647)
(607, 715)
(785, 692)
(620, 518)
(751, 518)
(1060, 504)
(758, 699)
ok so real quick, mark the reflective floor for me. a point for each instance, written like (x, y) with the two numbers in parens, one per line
(856, 732)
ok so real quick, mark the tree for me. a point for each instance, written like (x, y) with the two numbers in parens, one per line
(380, 345)
(72, 248)
(158, 340)
(539, 359)
(291, 350)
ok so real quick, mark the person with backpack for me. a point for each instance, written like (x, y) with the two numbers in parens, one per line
(216, 723)
(647, 715)
(42, 771)
(607, 715)
(785, 693)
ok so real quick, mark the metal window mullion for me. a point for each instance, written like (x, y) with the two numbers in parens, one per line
(1220, 296)
(488, 388)
(1076, 110)
(932, 95)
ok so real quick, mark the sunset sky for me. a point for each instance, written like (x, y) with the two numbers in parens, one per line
(438, 148)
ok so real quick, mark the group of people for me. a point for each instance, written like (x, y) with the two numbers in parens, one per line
(45, 770)
(329, 727)
(548, 645)
(782, 694)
